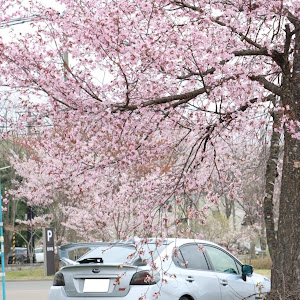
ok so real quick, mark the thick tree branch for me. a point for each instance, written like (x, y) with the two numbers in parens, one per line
(288, 40)
(293, 19)
(185, 97)
(251, 52)
(267, 84)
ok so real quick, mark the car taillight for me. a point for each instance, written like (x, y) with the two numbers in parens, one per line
(144, 278)
(59, 279)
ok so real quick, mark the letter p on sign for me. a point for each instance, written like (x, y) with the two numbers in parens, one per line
(49, 235)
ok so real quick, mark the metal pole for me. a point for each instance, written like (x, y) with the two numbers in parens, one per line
(2, 248)
(14, 248)
(30, 235)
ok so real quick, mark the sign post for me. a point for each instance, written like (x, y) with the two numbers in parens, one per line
(2, 248)
(49, 262)
(2, 274)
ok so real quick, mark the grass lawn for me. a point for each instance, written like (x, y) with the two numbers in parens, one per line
(265, 272)
(27, 274)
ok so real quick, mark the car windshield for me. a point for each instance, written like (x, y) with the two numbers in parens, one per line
(122, 253)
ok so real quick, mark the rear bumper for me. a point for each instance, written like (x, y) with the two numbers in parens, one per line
(19, 259)
(135, 292)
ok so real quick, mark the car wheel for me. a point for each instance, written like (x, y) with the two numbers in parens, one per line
(184, 298)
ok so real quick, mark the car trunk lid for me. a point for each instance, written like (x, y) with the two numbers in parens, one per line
(94, 279)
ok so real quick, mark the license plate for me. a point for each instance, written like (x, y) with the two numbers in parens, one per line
(96, 285)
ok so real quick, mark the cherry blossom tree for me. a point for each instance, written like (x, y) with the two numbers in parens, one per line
(11, 206)
(184, 76)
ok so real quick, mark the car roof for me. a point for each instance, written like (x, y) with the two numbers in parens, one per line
(177, 241)
(164, 241)
(18, 248)
(181, 241)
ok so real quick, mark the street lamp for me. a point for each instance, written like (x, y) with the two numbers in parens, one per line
(2, 242)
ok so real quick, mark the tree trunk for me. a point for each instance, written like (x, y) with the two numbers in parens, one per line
(271, 174)
(7, 245)
(286, 259)
(228, 207)
(252, 250)
(262, 239)
(233, 215)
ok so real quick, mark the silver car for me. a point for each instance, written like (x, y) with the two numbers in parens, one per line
(175, 269)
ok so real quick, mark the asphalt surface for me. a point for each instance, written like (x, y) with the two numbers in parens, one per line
(26, 290)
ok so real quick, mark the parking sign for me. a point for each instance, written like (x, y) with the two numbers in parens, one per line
(49, 251)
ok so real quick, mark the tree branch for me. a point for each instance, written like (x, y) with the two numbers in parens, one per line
(293, 19)
(217, 21)
(250, 52)
(267, 84)
(163, 100)
(244, 37)
(191, 73)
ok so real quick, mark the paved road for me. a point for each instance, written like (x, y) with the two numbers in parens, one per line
(26, 290)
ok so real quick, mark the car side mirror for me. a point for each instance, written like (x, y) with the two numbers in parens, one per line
(246, 270)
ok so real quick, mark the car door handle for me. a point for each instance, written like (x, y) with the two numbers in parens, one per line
(224, 282)
(190, 279)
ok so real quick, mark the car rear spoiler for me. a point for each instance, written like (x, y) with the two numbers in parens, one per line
(63, 251)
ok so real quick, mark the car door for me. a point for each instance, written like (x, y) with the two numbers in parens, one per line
(193, 267)
(228, 272)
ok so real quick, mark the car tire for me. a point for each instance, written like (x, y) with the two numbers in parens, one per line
(185, 298)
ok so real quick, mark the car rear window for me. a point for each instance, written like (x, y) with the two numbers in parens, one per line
(18, 251)
(121, 253)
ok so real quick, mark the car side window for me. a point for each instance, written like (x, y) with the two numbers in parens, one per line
(221, 261)
(178, 259)
(193, 257)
